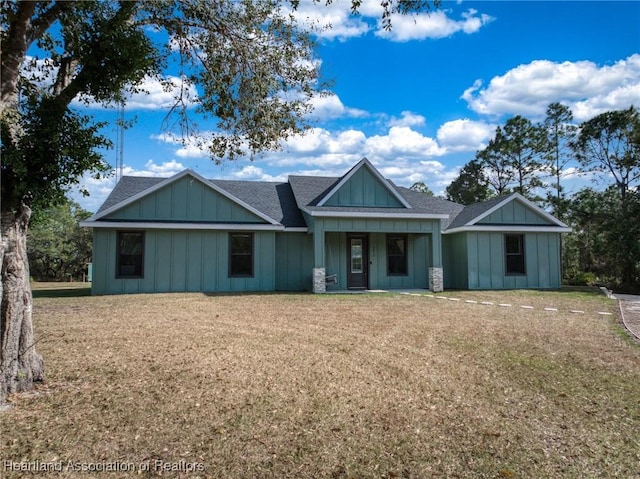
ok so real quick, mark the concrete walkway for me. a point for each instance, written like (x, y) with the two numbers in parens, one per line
(630, 310)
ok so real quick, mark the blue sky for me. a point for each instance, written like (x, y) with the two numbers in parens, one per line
(420, 100)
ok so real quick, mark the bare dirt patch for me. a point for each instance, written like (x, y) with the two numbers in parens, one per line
(329, 386)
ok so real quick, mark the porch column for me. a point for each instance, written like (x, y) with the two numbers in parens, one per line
(319, 270)
(436, 280)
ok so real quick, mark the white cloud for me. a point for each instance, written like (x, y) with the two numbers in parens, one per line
(432, 25)
(156, 94)
(402, 142)
(586, 88)
(330, 106)
(166, 168)
(187, 147)
(253, 173)
(408, 118)
(335, 21)
(152, 94)
(465, 135)
(192, 150)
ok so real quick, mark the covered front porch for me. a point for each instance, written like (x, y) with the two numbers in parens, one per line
(352, 254)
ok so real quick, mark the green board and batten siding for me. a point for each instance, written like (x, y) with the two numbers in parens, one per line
(476, 259)
(177, 260)
(418, 255)
(186, 199)
(514, 213)
(188, 219)
(454, 252)
(364, 189)
(294, 261)
(486, 262)
(183, 260)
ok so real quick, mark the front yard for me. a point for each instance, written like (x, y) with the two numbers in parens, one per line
(307, 386)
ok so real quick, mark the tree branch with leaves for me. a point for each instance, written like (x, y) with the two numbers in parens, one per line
(252, 65)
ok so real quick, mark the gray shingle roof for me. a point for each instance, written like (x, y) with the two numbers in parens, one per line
(127, 187)
(282, 201)
(471, 212)
(273, 199)
(432, 204)
(309, 190)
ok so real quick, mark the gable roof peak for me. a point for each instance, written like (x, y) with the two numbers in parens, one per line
(364, 163)
(471, 215)
(167, 181)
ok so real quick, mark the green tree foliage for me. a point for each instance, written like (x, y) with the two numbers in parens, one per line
(514, 156)
(559, 134)
(495, 166)
(509, 163)
(253, 67)
(420, 187)
(471, 185)
(58, 248)
(605, 240)
(609, 145)
(251, 63)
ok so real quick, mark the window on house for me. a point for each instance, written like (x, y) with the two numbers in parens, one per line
(397, 255)
(514, 251)
(241, 255)
(130, 254)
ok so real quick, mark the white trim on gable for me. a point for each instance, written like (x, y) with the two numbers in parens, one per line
(510, 229)
(364, 163)
(525, 202)
(366, 214)
(174, 178)
(154, 225)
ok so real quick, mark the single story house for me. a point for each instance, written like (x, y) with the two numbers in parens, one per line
(358, 231)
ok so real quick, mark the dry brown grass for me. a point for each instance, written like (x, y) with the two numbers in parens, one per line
(306, 386)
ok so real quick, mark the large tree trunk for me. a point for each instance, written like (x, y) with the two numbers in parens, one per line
(19, 362)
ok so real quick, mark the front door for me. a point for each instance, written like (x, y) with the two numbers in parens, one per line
(358, 261)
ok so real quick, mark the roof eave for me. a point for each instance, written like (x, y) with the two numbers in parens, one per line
(509, 229)
(156, 225)
(364, 214)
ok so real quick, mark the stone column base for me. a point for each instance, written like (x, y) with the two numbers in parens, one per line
(436, 283)
(319, 280)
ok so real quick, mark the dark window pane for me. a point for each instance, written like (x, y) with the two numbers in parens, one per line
(241, 254)
(397, 265)
(514, 255)
(514, 244)
(397, 255)
(130, 254)
(396, 246)
(241, 244)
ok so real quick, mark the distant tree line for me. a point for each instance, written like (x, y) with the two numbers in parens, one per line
(57, 247)
(534, 159)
